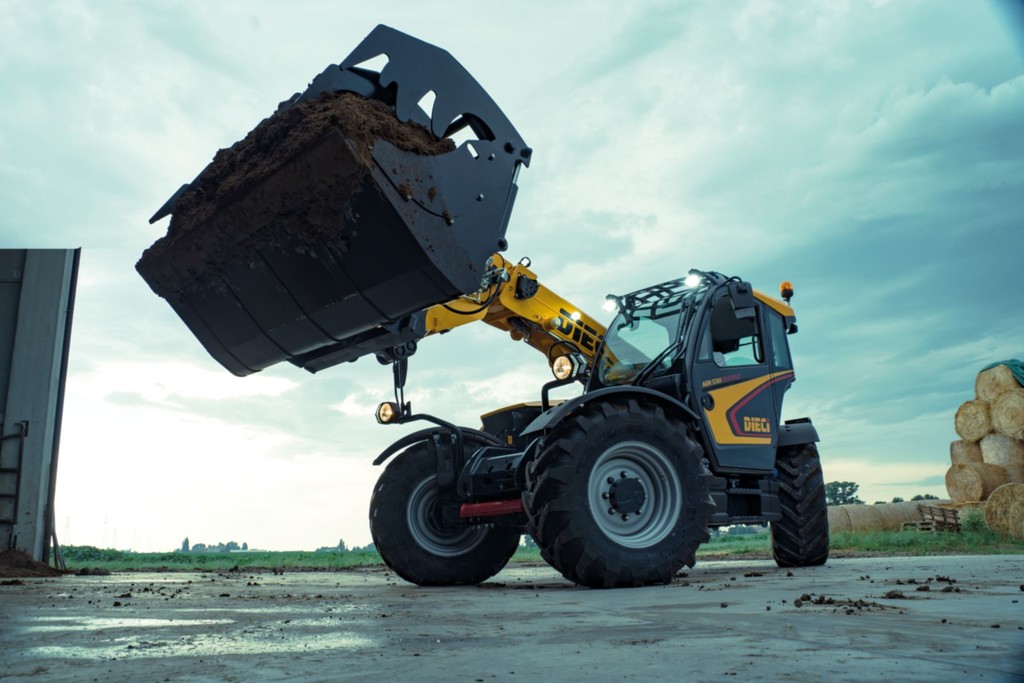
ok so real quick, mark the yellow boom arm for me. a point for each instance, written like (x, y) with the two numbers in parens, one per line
(520, 305)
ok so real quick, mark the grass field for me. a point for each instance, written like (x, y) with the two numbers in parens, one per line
(969, 542)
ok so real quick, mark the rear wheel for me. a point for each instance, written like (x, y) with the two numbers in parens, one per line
(411, 537)
(619, 497)
(800, 538)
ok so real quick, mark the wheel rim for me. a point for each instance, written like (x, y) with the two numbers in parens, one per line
(423, 515)
(631, 520)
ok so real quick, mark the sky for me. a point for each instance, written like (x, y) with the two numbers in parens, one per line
(870, 152)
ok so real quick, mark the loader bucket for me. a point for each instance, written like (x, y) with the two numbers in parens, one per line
(325, 233)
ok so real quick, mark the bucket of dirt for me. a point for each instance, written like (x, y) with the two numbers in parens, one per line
(330, 219)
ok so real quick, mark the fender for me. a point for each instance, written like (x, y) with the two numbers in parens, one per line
(473, 436)
(797, 432)
(554, 416)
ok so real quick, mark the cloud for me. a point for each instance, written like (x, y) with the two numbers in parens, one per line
(868, 152)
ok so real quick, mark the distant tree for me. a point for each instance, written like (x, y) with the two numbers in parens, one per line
(842, 493)
(926, 496)
(528, 541)
(341, 546)
(199, 548)
(229, 546)
(245, 546)
(897, 499)
(184, 545)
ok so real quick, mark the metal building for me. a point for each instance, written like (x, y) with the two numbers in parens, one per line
(37, 291)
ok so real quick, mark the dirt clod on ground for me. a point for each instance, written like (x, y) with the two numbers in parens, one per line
(203, 235)
(16, 564)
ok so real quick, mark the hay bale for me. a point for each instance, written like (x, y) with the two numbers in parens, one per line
(1007, 414)
(964, 507)
(973, 420)
(1004, 510)
(838, 518)
(891, 516)
(973, 481)
(1014, 474)
(997, 449)
(962, 452)
(863, 517)
(994, 381)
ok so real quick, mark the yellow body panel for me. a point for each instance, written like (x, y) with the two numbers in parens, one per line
(779, 306)
(726, 398)
(544, 320)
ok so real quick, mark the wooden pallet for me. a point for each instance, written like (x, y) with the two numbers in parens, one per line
(935, 519)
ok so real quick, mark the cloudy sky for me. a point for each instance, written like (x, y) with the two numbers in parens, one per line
(870, 152)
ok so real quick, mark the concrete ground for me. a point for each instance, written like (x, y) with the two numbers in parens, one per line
(882, 619)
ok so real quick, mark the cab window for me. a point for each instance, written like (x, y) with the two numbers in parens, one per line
(731, 342)
(780, 344)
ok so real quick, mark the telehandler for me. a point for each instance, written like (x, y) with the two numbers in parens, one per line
(678, 427)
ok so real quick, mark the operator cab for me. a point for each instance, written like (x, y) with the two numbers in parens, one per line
(716, 344)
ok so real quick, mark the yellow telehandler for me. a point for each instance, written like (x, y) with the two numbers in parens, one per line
(351, 223)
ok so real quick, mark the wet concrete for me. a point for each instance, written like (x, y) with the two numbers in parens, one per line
(906, 619)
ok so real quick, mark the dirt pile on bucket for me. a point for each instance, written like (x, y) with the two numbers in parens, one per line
(211, 226)
(16, 564)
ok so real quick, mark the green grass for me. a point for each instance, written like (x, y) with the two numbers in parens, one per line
(88, 557)
(972, 541)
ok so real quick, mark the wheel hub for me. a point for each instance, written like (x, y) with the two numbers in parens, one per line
(627, 495)
(635, 494)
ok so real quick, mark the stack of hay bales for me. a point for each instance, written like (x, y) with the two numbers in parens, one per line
(878, 517)
(989, 456)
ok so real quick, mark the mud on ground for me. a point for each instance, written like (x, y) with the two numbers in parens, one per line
(907, 619)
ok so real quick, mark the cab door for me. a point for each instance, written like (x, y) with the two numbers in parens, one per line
(734, 383)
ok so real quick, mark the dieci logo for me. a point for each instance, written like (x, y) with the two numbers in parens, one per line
(759, 425)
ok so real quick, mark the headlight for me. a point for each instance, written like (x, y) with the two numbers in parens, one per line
(386, 412)
(567, 367)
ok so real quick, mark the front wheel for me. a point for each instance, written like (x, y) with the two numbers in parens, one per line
(409, 533)
(800, 538)
(619, 497)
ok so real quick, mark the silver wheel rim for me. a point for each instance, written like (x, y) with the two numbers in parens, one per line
(423, 516)
(656, 474)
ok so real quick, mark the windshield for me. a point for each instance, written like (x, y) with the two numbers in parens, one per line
(634, 339)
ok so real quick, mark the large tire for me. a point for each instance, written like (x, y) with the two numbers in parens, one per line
(405, 523)
(594, 475)
(800, 538)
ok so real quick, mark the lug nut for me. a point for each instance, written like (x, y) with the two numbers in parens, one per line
(622, 474)
(611, 511)
(625, 517)
(611, 480)
(605, 495)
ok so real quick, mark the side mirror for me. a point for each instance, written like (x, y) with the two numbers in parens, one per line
(729, 325)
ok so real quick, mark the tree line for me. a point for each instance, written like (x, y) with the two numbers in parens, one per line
(845, 493)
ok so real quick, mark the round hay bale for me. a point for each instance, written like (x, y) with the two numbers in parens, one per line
(973, 481)
(863, 517)
(973, 420)
(891, 516)
(1007, 414)
(994, 381)
(962, 452)
(964, 507)
(838, 518)
(1014, 474)
(1004, 510)
(997, 449)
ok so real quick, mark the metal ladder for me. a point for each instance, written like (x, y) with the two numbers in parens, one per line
(10, 479)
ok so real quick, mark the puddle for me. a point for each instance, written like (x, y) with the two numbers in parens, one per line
(205, 645)
(50, 624)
